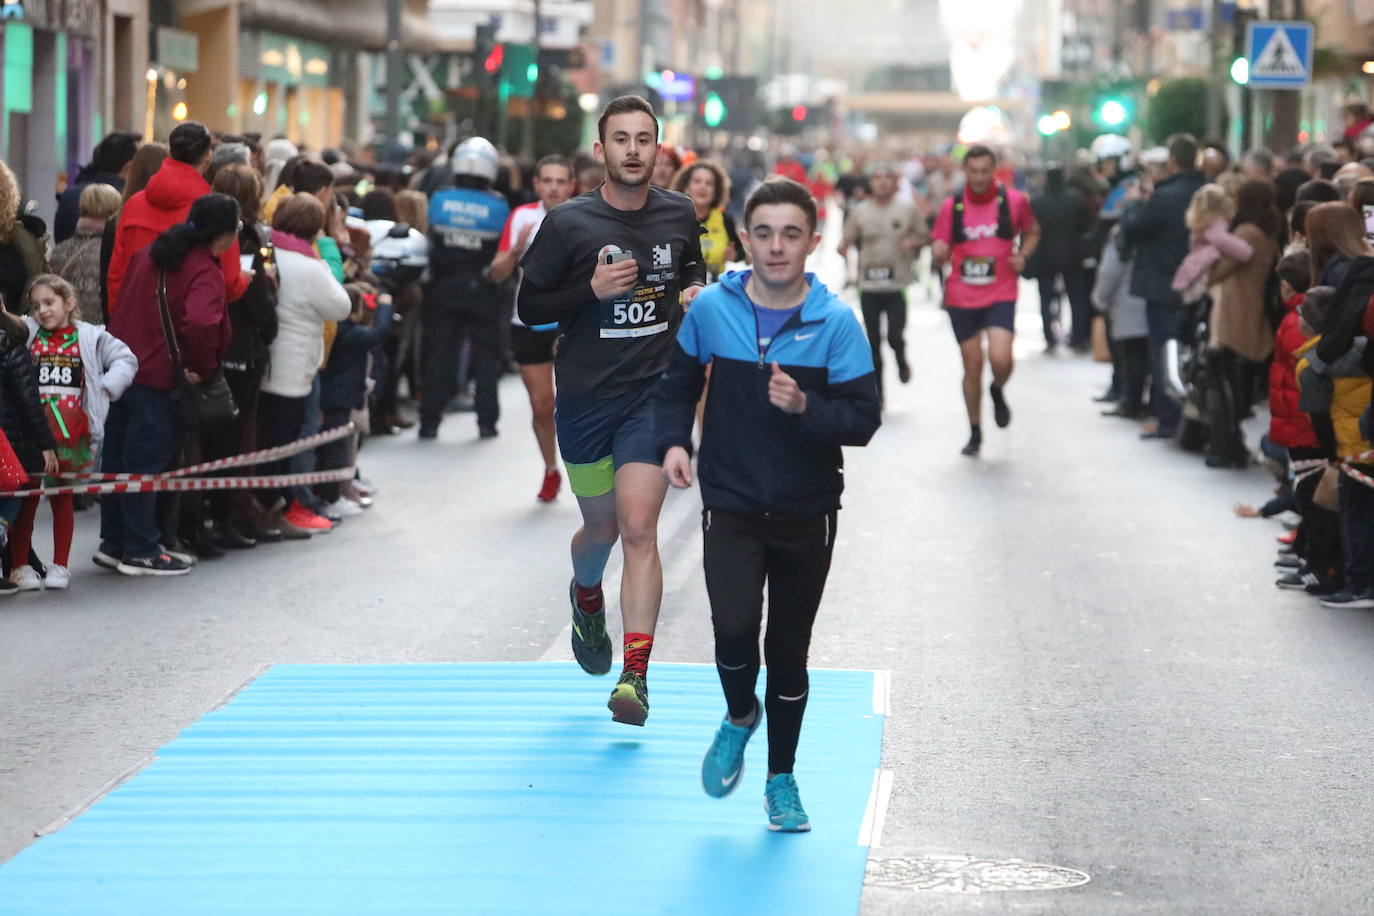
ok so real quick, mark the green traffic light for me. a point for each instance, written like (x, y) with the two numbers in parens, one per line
(1240, 71)
(713, 110)
(1113, 113)
(1047, 126)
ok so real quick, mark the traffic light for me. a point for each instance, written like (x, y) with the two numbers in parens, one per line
(713, 110)
(1051, 124)
(799, 114)
(1114, 113)
(495, 58)
(486, 56)
(1240, 71)
(736, 105)
(520, 71)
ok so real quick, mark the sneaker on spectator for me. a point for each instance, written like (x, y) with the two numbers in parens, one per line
(1325, 585)
(302, 517)
(1288, 538)
(1297, 580)
(106, 557)
(57, 577)
(1346, 598)
(8, 588)
(1288, 561)
(344, 508)
(164, 564)
(26, 579)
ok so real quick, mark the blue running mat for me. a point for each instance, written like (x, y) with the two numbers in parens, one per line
(490, 788)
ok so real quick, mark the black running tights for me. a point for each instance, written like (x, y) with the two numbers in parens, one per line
(743, 552)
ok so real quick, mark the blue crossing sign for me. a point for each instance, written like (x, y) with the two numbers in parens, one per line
(1280, 54)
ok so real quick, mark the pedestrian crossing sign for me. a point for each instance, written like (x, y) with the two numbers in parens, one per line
(1280, 54)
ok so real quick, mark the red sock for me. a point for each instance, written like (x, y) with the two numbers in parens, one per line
(637, 649)
(589, 599)
(63, 523)
(21, 532)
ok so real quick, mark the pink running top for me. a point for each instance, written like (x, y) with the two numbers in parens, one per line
(980, 268)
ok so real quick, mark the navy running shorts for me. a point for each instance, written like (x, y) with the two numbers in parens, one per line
(968, 322)
(599, 436)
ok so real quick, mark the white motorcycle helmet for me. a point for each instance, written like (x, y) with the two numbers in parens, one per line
(475, 157)
(1110, 146)
(400, 254)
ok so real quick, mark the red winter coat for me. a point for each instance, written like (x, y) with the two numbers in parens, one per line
(1288, 426)
(200, 317)
(158, 207)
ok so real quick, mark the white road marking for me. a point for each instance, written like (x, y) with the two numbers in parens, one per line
(882, 693)
(875, 813)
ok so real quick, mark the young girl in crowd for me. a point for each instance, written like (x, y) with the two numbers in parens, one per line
(1334, 396)
(80, 368)
(21, 420)
(1208, 219)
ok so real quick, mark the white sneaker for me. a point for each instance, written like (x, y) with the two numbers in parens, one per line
(58, 577)
(26, 578)
(344, 508)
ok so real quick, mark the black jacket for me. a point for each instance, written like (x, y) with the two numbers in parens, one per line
(343, 383)
(254, 317)
(69, 201)
(1346, 312)
(1157, 232)
(21, 412)
(1065, 220)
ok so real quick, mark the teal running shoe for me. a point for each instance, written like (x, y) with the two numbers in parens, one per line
(784, 807)
(723, 764)
(629, 702)
(590, 644)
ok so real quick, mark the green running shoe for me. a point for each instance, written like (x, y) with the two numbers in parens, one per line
(723, 764)
(783, 804)
(629, 702)
(590, 644)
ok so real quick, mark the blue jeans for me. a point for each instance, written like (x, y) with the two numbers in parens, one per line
(140, 438)
(304, 463)
(1162, 320)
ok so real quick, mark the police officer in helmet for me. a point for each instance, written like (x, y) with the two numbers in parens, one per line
(462, 302)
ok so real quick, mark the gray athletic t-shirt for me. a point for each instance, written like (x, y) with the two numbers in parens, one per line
(879, 229)
(614, 346)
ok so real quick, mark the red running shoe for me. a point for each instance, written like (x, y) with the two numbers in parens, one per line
(1289, 537)
(302, 517)
(553, 482)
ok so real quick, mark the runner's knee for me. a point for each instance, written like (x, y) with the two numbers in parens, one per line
(639, 530)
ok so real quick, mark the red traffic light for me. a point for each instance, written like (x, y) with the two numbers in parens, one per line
(493, 62)
(799, 113)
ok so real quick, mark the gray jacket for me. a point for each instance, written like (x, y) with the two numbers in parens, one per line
(108, 368)
(1112, 294)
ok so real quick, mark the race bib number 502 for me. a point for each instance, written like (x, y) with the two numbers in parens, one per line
(639, 315)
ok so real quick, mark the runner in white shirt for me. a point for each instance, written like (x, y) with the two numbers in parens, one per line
(533, 347)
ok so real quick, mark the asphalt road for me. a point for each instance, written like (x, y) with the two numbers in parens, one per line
(1090, 666)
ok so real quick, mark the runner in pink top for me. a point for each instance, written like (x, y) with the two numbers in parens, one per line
(985, 233)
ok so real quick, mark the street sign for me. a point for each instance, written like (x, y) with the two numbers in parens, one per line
(1280, 54)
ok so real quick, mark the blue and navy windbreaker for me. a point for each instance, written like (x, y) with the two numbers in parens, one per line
(755, 457)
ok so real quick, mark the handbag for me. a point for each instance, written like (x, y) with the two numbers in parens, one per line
(12, 473)
(1327, 495)
(1102, 350)
(206, 405)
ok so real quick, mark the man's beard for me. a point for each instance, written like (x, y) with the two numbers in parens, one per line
(617, 174)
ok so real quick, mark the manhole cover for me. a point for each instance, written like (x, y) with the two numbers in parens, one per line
(968, 875)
